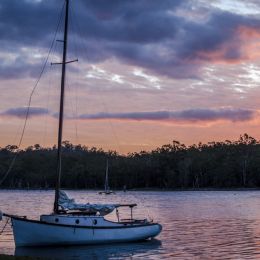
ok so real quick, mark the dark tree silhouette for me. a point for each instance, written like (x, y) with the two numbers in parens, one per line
(173, 166)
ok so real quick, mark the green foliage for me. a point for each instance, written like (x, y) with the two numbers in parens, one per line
(215, 164)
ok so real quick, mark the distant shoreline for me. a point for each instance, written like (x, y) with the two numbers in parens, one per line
(9, 257)
(142, 189)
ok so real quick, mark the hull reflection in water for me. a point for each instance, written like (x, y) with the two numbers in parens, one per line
(146, 248)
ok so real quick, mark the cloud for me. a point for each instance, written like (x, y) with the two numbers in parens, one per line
(20, 112)
(220, 38)
(28, 23)
(18, 69)
(190, 115)
(143, 33)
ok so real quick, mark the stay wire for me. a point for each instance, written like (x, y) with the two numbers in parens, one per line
(115, 135)
(101, 95)
(30, 99)
(74, 92)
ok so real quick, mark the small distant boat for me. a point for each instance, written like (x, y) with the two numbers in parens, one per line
(107, 190)
(71, 223)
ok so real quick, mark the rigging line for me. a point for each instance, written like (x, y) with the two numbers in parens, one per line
(100, 96)
(71, 107)
(48, 105)
(51, 71)
(76, 28)
(74, 99)
(77, 86)
(30, 100)
(73, 14)
(74, 112)
(114, 134)
(84, 50)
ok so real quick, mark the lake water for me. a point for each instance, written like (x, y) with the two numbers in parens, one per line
(196, 224)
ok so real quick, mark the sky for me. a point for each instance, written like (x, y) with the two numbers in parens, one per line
(148, 72)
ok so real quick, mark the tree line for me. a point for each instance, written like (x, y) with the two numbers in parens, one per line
(173, 166)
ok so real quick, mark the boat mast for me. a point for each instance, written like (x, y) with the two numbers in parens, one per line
(63, 73)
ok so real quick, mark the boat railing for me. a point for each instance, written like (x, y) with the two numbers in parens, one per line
(126, 205)
(131, 206)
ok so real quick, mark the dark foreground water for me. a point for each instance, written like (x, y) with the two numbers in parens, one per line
(196, 224)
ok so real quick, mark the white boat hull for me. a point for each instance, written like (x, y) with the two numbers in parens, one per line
(39, 233)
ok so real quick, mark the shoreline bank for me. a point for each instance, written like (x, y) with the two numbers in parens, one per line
(144, 189)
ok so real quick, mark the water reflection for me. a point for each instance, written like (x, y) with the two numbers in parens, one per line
(196, 225)
(142, 250)
(213, 239)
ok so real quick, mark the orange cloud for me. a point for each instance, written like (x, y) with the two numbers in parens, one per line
(244, 46)
(251, 41)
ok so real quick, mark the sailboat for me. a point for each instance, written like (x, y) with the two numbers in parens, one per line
(107, 190)
(71, 223)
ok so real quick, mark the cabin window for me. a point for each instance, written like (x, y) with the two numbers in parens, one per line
(77, 221)
(94, 221)
(56, 220)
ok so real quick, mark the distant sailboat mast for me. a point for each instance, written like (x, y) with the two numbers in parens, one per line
(63, 73)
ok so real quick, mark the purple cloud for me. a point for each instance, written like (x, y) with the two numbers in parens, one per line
(143, 33)
(21, 112)
(218, 33)
(190, 115)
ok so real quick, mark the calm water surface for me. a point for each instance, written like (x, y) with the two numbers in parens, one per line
(196, 224)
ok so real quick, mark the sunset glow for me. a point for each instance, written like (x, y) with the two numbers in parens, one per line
(147, 73)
